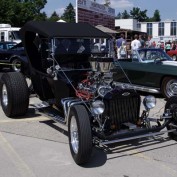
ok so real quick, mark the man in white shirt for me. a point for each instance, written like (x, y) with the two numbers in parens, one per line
(135, 44)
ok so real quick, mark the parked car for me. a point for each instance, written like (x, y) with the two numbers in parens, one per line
(172, 54)
(12, 55)
(149, 70)
(77, 89)
(7, 45)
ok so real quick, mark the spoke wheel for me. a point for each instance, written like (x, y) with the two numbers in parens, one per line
(74, 135)
(80, 137)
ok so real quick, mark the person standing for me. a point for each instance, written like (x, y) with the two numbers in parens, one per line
(148, 42)
(135, 44)
(119, 44)
(123, 51)
(173, 46)
(168, 46)
(141, 41)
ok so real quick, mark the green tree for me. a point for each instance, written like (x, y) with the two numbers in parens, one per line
(7, 10)
(42, 17)
(125, 15)
(156, 16)
(69, 14)
(54, 17)
(136, 13)
(119, 16)
(18, 12)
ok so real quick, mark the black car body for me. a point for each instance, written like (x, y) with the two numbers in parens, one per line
(76, 86)
(13, 56)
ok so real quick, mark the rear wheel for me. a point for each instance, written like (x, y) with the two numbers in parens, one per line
(172, 106)
(14, 94)
(80, 138)
(169, 87)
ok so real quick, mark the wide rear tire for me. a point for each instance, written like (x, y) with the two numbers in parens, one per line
(172, 106)
(80, 137)
(14, 94)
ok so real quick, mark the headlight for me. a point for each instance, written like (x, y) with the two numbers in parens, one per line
(149, 102)
(97, 107)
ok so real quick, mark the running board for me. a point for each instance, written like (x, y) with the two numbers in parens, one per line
(135, 137)
(51, 113)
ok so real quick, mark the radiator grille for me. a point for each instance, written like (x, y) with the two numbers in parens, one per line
(122, 109)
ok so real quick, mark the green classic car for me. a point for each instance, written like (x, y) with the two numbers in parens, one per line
(149, 70)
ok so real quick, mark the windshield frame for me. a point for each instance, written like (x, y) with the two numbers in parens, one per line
(164, 56)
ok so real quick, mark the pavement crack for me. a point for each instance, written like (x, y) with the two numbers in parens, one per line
(33, 137)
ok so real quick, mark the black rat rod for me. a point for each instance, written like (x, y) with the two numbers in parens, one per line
(70, 68)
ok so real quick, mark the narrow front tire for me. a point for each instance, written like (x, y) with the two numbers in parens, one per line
(80, 137)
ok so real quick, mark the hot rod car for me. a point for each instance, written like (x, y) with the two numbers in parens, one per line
(75, 82)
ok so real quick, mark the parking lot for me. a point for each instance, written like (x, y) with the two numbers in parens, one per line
(35, 146)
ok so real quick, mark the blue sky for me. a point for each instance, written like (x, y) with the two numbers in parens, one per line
(167, 8)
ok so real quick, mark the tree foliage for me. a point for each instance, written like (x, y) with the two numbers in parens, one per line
(119, 16)
(156, 16)
(7, 10)
(136, 13)
(69, 14)
(54, 17)
(125, 15)
(18, 12)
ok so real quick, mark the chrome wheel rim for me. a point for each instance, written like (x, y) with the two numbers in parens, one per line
(171, 88)
(16, 65)
(4, 95)
(74, 135)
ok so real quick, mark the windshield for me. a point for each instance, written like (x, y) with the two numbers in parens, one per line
(81, 46)
(16, 35)
(151, 55)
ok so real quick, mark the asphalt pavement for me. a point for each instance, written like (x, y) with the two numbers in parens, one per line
(34, 146)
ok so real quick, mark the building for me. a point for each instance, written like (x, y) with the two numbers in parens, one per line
(95, 14)
(163, 30)
(129, 24)
(129, 27)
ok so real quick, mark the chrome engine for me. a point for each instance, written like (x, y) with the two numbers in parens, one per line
(110, 106)
(99, 81)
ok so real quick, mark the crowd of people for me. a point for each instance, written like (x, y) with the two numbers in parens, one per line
(140, 42)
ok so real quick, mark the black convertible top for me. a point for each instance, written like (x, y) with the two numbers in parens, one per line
(58, 29)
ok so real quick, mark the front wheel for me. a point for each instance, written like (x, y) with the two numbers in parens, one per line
(14, 94)
(80, 137)
(172, 106)
(169, 87)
